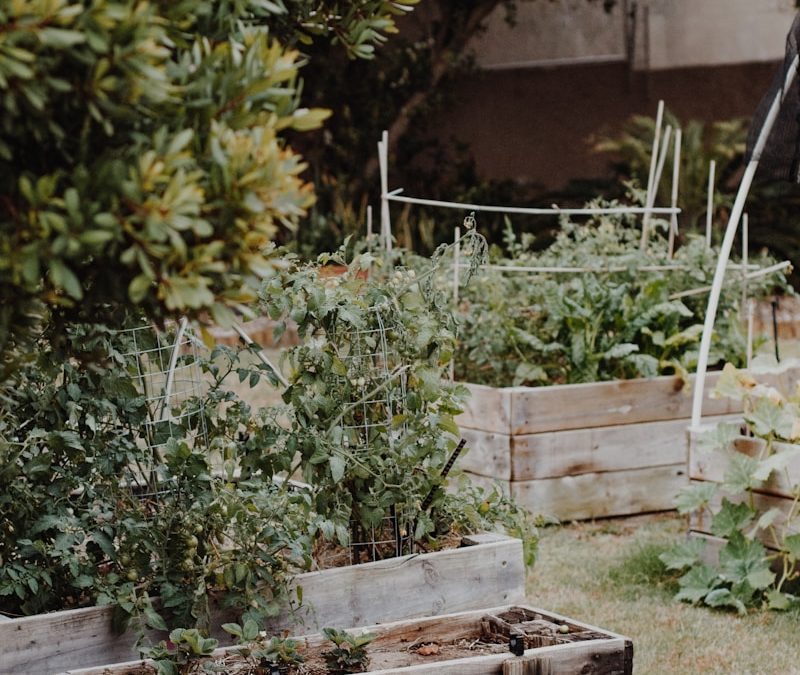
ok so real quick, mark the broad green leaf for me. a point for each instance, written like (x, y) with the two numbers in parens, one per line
(731, 519)
(769, 418)
(338, 465)
(722, 597)
(682, 555)
(695, 497)
(777, 600)
(739, 474)
(791, 544)
(697, 583)
(777, 461)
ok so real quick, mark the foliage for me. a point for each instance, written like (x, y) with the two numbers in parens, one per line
(350, 652)
(372, 420)
(143, 153)
(260, 652)
(745, 575)
(91, 513)
(372, 433)
(185, 649)
(617, 322)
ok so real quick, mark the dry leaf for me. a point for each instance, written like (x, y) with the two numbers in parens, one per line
(428, 650)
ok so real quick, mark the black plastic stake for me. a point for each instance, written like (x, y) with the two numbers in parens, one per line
(429, 498)
(775, 329)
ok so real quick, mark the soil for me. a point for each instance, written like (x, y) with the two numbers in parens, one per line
(398, 647)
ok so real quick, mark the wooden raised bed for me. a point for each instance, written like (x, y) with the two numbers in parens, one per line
(581, 451)
(710, 466)
(487, 568)
(469, 643)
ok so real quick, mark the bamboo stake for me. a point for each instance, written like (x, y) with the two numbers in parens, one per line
(383, 165)
(727, 243)
(650, 199)
(676, 175)
(662, 159)
(712, 170)
(751, 307)
(752, 275)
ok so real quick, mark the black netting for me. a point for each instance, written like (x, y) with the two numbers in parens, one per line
(780, 158)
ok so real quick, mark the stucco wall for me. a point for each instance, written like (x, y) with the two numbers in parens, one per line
(667, 34)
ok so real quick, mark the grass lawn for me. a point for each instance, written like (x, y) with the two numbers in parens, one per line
(608, 574)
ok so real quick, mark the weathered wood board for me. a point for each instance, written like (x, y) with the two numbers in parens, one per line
(608, 653)
(597, 495)
(553, 444)
(489, 569)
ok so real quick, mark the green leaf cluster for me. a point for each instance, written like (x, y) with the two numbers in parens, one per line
(746, 574)
(615, 320)
(143, 149)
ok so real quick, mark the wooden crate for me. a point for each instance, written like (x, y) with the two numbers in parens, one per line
(710, 466)
(581, 451)
(593, 650)
(487, 568)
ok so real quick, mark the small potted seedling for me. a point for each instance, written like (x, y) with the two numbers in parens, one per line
(350, 652)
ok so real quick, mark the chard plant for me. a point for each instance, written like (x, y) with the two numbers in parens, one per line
(748, 574)
(619, 322)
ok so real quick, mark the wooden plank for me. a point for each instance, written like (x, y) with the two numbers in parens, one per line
(416, 585)
(600, 495)
(700, 521)
(711, 465)
(488, 453)
(613, 448)
(611, 655)
(420, 584)
(488, 409)
(595, 657)
(599, 404)
(45, 643)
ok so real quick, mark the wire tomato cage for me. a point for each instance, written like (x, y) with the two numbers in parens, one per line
(165, 370)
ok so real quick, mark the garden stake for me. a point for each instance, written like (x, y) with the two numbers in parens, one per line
(429, 498)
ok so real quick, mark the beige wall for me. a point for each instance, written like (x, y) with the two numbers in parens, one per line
(668, 34)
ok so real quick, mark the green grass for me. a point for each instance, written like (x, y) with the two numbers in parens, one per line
(608, 574)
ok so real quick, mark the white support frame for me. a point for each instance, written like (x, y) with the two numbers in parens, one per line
(727, 243)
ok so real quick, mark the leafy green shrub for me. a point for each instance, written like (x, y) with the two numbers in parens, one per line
(92, 514)
(143, 150)
(618, 322)
(745, 575)
(358, 474)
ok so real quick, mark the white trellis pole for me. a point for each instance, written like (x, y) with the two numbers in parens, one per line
(456, 265)
(676, 176)
(383, 165)
(745, 256)
(727, 242)
(651, 198)
(712, 170)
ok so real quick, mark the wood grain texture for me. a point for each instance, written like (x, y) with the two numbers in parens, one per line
(423, 584)
(600, 495)
(599, 404)
(712, 465)
(488, 409)
(612, 655)
(613, 448)
(410, 586)
(488, 453)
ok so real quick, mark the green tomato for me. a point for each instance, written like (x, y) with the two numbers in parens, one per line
(192, 542)
(132, 575)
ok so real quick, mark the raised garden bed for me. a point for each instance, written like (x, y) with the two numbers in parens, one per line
(486, 568)
(582, 451)
(465, 643)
